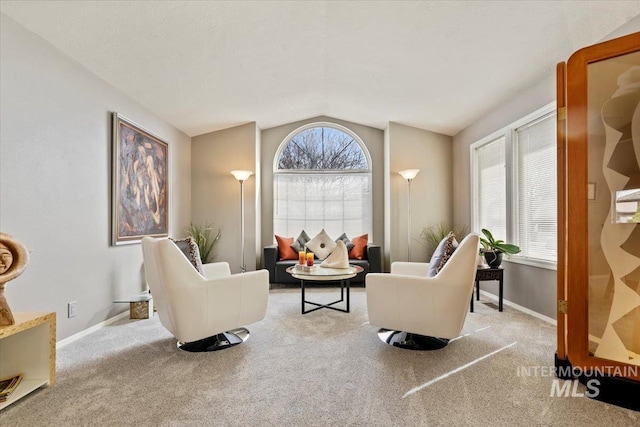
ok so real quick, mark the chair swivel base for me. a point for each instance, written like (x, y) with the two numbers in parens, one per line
(411, 341)
(217, 342)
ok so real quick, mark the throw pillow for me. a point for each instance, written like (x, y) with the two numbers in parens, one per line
(284, 248)
(359, 247)
(449, 247)
(438, 254)
(346, 241)
(321, 245)
(300, 242)
(190, 249)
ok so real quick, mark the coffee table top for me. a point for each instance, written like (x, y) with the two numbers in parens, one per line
(324, 273)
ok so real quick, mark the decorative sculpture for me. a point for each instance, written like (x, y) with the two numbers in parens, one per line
(13, 260)
(339, 258)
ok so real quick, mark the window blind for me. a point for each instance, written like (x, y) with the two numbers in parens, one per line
(338, 202)
(535, 163)
(491, 187)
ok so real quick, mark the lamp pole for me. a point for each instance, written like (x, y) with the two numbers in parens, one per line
(242, 176)
(409, 175)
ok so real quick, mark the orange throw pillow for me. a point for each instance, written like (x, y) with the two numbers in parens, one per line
(359, 246)
(284, 248)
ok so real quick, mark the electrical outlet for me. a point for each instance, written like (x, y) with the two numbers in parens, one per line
(71, 309)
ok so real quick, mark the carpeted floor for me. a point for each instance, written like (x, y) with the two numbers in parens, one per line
(325, 368)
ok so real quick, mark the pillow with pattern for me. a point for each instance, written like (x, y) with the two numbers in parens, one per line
(438, 254)
(190, 249)
(449, 247)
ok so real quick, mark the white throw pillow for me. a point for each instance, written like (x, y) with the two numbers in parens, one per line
(321, 245)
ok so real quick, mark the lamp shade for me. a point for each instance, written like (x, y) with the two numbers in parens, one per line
(409, 174)
(242, 175)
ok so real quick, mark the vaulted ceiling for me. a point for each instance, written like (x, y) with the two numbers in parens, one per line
(205, 65)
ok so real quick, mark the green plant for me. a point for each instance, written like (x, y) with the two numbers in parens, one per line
(435, 233)
(206, 238)
(492, 245)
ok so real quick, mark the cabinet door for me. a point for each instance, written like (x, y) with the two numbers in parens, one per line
(601, 211)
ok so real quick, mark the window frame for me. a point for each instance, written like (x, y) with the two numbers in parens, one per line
(511, 202)
(308, 126)
(328, 172)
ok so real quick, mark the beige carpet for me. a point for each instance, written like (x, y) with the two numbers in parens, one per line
(322, 369)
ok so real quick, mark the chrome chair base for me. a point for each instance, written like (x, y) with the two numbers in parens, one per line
(217, 342)
(411, 341)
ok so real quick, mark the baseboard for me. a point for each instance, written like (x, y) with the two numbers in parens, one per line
(519, 308)
(125, 314)
(75, 337)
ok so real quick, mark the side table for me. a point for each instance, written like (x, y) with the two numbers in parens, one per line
(28, 347)
(140, 306)
(489, 274)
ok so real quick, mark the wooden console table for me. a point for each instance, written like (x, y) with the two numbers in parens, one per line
(28, 347)
(489, 274)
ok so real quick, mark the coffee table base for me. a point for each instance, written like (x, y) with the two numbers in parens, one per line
(343, 282)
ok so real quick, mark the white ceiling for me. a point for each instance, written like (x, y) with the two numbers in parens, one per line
(436, 65)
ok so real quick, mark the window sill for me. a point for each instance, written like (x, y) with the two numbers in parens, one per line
(549, 265)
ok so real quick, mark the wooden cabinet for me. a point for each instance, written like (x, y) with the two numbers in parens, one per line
(28, 347)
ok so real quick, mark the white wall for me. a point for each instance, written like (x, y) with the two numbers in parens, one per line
(271, 140)
(431, 190)
(216, 193)
(55, 167)
(531, 287)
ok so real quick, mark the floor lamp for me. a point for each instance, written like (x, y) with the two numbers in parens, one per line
(409, 174)
(242, 176)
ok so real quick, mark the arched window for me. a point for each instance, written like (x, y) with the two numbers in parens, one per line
(322, 179)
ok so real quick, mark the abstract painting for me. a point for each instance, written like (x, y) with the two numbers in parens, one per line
(140, 184)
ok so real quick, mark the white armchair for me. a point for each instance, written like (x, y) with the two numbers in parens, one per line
(203, 313)
(420, 312)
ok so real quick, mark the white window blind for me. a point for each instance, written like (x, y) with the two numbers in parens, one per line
(338, 202)
(535, 214)
(514, 186)
(491, 188)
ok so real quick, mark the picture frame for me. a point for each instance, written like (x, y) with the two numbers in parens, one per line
(140, 183)
(591, 191)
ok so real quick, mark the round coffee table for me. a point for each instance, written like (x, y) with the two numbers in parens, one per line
(323, 274)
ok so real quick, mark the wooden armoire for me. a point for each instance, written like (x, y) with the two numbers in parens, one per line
(598, 100)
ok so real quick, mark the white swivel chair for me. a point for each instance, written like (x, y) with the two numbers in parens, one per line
(419, 312)
(203, 313)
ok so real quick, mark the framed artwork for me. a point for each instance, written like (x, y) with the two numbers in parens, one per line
(140, 183)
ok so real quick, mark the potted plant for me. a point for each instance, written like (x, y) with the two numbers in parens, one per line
(435, 233)
(206, 238)
(493, 249)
